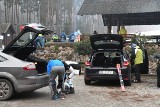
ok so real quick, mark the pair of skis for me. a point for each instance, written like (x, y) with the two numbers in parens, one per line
(120, 78)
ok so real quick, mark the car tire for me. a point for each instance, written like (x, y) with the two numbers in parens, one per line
(158, 82)
(128, 82)
(158, 75)
(6, 86)
(87, 82)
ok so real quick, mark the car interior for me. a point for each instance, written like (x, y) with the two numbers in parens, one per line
(102, 60)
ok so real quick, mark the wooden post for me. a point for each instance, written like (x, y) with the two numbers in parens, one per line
(118, 24)
(109, 24)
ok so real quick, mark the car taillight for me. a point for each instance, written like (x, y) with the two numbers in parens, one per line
(87, 63)
(30, 67)
(125, 63)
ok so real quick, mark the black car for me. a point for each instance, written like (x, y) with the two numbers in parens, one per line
(107, 53)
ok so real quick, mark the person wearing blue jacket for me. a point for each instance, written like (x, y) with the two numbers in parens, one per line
(56, 68)
(71, 37)
(63, 37)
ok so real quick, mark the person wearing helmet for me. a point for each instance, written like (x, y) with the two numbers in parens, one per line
(137, 62)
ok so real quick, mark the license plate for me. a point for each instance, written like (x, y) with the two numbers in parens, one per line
(105, 72)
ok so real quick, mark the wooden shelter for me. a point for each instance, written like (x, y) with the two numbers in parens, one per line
(123, 12)
(7, 34)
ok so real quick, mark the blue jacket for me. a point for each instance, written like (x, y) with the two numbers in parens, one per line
(63, 36)
(71, 37)
(53, 63)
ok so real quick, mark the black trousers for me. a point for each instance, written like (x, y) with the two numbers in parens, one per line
(137, 72)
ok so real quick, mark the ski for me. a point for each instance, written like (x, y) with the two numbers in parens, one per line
(120, 77)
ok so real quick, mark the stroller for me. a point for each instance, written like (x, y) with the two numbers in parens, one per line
(68, 86)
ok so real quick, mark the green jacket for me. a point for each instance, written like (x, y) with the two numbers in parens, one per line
(54, 37)
(139, 56)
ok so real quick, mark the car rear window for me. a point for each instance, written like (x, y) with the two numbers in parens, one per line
(2, 59)
(106, 42)
(25, 39)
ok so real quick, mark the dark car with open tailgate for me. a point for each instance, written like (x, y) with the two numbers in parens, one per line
(107, 53)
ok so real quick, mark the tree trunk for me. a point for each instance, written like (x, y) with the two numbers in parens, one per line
(12, 13)
(17, 13)
(27, 12)
(5, 13)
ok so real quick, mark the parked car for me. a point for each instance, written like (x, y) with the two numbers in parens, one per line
(18, 71)
(76, 66)
(107, 53)
(36, 26)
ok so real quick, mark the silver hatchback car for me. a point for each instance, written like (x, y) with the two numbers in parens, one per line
(18, 71)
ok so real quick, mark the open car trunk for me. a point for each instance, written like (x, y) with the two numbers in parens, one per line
(41, 65)
(106, 61)
(23, 46)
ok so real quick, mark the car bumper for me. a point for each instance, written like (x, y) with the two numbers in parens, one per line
(93, 74)
(33, 83)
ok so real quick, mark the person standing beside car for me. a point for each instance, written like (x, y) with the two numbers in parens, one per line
(56, 68)
(137, 62)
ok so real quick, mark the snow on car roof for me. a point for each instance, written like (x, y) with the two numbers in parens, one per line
(36, 26)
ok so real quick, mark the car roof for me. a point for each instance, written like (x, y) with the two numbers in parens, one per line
(36, 26)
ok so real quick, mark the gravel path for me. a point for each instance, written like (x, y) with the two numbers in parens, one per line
(99, 94)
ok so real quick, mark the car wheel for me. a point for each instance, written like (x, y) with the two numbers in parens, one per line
(158, 75)
(87, 82)
(128, 82)
(158, 82)
(6, 89)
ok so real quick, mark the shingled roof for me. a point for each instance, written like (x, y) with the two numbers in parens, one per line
(129, 12)
(91, 7)
(5, 26)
